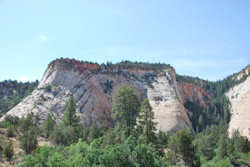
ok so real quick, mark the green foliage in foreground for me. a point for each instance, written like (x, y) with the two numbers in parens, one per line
(81, 154)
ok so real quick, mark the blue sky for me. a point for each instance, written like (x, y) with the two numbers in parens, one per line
(209, 39)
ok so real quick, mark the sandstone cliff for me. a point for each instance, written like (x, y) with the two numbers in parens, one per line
(93, 86)
(239, 97)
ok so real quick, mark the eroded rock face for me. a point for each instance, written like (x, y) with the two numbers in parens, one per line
(239, 97)
(93, 87)
(192, 93)
(165, 100)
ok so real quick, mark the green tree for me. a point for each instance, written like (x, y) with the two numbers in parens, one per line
(240, 143)
(201, 122)
(11, 120)
(181, 143)
(28, 138)
(205, 146)
(48, 125)
(26, 123)
(64, 135)
(147, 124)
(11, 131)
(70, 118)
(126, 109)
(69, 129)
(8, 151)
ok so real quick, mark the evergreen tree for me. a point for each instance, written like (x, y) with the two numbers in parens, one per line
(8, 151)
(205, 146)
(125, 109)
(240, 143)
(28, 138)
(222, 147)
(70, 118)
(201, 122)
(68, 131)
(27, 123)
(147, 124)
(64, 135)
(48, 125)
(181, 143)
(11, 131)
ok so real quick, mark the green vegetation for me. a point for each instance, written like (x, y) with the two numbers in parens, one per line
(69, 117)
(108, 86)
(67, 131)
(8, 151)
(12, 92)
(139, 65)
(180, 144)
(81, 154)
(147, 126)
(29, 134)
(125, 110)
(48, 126)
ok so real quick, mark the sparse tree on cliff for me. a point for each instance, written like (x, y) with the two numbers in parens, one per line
(70, 118)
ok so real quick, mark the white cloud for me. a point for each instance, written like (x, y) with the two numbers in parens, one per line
(43, 38)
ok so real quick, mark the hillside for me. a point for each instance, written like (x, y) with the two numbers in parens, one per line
(230, 97)
(178, 101)
(12, 92)
(93, 86)
(239, 97)
(72, 109)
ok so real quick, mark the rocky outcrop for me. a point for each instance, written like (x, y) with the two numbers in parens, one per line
(245, 72)
(93, 86)
(167, 105)
(192, 93)
(239, 97)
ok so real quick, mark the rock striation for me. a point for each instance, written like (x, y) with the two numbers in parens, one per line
(239, 97)
(93, 86)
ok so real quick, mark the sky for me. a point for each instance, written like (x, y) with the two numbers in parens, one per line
(209, 38)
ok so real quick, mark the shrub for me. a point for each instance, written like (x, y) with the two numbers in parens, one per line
(8, 151)
(64, 135)
(10, 132)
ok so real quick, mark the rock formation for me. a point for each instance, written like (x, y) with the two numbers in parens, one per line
(239, 97)
(93, 86)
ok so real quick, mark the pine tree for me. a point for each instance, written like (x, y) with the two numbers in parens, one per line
(126, 109)
(147, 124)
(28, 138)
(70, 118)
(181, 143)
(8, 151)
(201, 122)
(48, 125)
(222, 146)
(68, 131)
